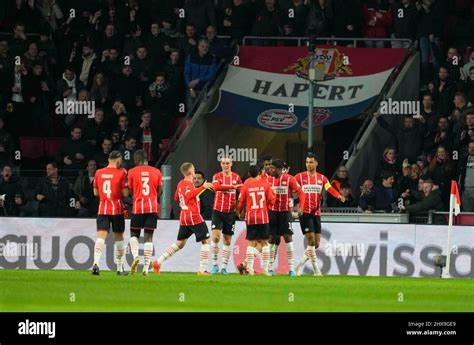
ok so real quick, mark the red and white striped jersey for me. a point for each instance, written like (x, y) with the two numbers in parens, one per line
(256, 195)
(188, 198)
(110, 182)
(144, 181)
(283, 187)
(312, 186)
(224, 200)
(147, 141)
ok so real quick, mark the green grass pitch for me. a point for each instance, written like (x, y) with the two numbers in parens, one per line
(78, 291)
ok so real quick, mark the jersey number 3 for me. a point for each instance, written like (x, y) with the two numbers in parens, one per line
(146, 186)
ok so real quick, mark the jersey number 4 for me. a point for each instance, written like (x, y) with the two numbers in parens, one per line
(261, 199)
(106, 189)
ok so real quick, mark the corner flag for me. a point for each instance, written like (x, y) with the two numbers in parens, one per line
(455, 200)
(454, 203)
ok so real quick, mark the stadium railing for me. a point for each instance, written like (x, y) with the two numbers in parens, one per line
(303, 40)
(357, 215)
(30, 178)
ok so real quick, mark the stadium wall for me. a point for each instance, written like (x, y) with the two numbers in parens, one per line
(365, 162)
(346, 249)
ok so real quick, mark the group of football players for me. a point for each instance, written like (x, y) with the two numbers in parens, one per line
(267, 201)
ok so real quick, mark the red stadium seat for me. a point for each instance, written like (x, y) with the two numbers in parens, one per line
(52, 146)
(183, 127)
(165, 145)
(32, 147)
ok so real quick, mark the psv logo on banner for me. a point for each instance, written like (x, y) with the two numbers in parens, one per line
(320, 115)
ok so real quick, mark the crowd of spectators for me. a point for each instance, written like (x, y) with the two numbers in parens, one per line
(143, 63)
(432, 149)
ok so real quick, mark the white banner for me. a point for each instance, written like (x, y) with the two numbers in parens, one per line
(252, 84)
(345, 249)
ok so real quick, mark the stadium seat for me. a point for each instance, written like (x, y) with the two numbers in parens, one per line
(165, 146)
(183, 127)
(52, 146)
(32, 147)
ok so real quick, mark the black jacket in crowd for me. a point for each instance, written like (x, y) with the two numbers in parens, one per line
(380, 198)
(405, 20)
(347, 12)
(206, 202)
(156, 48)
(70, 148)
(433, 21)
(6, 141)
(85, 189)
(241, 20)
(431, 202)
(11, 188)
(442, 174)
(57, 201)
(409, 140)
(433, 140)
(203, 13)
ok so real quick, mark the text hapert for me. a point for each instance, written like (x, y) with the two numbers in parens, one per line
(321, 91)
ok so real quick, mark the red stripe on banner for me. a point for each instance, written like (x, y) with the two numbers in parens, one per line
(362, 61)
